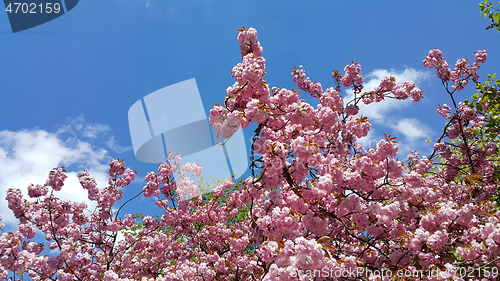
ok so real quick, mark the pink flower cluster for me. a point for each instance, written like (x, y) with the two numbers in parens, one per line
(305, 84)
(248, 42)
(444, 111)
(352, 75)
(389, 86)
(461, 74)
(250, 85)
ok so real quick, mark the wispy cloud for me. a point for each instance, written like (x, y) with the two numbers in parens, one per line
(91, 131)
(111, 143)
(80, 126)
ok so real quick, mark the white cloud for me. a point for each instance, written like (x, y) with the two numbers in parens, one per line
(378, 111)
(414, 133)
(383, 115)
(412, 129)
(27, 157)
(111, 143)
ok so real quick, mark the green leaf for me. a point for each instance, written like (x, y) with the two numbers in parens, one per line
(456, 256)
(475, 96)
(497, 17)
(479, 107)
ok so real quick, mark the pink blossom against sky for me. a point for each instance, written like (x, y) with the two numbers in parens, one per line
(67, 85)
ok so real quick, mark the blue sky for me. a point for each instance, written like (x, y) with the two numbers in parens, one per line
(67, 85)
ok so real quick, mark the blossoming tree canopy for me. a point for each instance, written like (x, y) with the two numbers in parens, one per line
(317, 202)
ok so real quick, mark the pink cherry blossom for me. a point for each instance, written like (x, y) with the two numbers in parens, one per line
(351, 109)
(317, 201)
